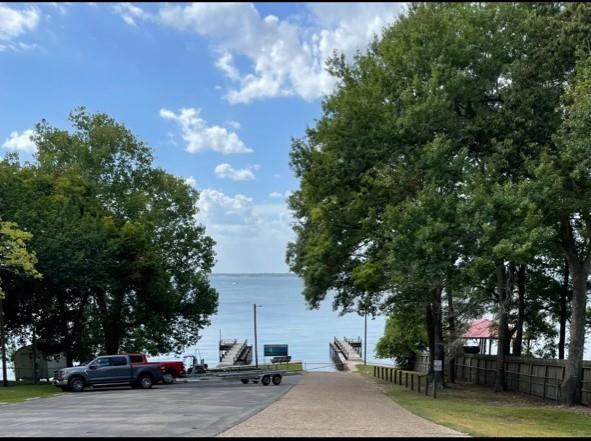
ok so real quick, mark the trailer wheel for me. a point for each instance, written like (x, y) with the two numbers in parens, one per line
(244, 380)
(276, 379)
(266, 380)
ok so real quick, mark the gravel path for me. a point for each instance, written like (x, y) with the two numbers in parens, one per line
(336, 404)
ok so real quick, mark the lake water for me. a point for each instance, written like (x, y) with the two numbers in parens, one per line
(283, 318)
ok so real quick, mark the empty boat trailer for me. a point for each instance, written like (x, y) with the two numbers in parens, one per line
(265, 377)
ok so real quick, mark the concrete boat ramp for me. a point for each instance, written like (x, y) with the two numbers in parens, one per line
(336, 404)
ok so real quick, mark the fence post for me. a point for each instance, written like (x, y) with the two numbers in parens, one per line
(419, 384)
(412, 382)
(545, 377)
(531, 377)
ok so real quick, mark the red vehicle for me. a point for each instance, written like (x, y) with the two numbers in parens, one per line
(172, 369)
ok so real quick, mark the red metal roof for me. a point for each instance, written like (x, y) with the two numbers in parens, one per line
(482, 328)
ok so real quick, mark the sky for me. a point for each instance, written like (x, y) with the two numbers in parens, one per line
(218, 90)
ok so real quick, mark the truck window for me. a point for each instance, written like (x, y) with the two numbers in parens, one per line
(102, 361)
(118, 361)
(136, 359)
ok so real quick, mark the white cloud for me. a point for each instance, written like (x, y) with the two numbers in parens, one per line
(286, 58)
(250, 237)
(15, 22)
(200, 137)
(233, 124)
(226, 64)
(129, 13)
(21, 142)
(60, 7)
(277, 195)
(226, 171)
(191, 181)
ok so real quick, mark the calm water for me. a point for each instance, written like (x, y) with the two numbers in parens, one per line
(282, 319)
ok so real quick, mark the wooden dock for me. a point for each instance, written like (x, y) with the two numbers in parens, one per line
(234, 353)
(345, 353)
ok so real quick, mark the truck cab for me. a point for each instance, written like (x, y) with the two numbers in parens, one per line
(109, 370)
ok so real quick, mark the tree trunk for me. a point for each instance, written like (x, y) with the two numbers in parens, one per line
(579, 267)
(518, 341)
(438, 348)
(571, 384)
(452, 333)
(431, 338)
(504, 299)
(563, 311)
(3, 343)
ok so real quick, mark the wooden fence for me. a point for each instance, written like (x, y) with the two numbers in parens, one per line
(410, 379)
(532, 376)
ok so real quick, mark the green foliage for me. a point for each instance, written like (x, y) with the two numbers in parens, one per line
(14, 255)
(446, 158)
(404, 337)
(125, 265)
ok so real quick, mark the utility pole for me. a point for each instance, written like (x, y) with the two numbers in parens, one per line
(256, 352)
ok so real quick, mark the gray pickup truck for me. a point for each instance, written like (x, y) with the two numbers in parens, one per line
(109, 370)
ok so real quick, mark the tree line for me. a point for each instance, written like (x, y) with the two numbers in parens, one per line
(112, 257)
(449, 175)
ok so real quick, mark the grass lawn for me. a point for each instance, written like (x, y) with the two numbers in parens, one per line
(16, 393)
(478, 411)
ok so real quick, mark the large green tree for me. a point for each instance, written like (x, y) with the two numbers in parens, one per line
(415, 177)
(15, 259)
(126, 264)
(563, 187)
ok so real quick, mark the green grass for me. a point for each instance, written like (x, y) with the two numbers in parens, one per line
(16, 393)
(477, 411)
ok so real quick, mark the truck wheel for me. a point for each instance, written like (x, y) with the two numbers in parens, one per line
(244, 380)
(76, 384)
(276, 379)
(167, 378)
(266, 380)
(145, 381)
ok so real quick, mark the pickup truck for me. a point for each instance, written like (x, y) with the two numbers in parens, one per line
(172, 369)
(109, 370)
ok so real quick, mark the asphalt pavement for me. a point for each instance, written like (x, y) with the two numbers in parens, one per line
(182, 409)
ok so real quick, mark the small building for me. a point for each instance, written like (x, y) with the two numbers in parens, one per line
(484, 331)
(46, 364)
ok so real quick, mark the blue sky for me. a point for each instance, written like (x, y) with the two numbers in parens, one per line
(216, 89)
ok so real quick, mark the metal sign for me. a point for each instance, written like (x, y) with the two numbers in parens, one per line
(437, 365)
(275, 350)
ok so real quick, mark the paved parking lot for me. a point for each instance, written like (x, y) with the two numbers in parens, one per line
(184, 409)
